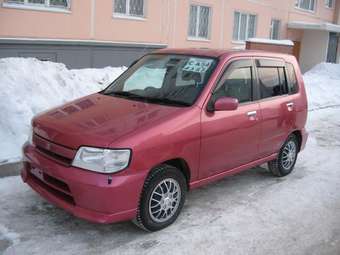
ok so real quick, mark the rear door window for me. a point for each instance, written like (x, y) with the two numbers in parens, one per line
(272, 78)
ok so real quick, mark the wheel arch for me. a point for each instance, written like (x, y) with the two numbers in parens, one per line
(298, 136)
(179, 163)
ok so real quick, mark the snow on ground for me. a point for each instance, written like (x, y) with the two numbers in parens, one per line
(323, 85)
(29, 86)
(250, 213)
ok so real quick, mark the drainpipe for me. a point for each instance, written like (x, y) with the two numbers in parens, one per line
(337, 21)
(337, 12)
(93, 19)
(174, 25)
(222, 24)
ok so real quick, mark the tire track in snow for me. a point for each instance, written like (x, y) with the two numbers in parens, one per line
(324, 107)
(8, 240)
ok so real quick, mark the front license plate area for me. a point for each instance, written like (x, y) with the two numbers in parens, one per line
(38, 173)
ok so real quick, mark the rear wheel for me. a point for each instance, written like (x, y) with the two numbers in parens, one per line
(162, 198)
(285, 162)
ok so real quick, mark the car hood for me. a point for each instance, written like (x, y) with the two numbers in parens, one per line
(98, 120)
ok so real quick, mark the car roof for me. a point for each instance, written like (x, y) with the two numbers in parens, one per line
(221, 53)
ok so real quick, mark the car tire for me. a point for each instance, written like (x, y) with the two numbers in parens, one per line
(162, 198)
(285, 162)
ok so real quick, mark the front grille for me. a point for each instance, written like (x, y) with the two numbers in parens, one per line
(56, 187)
(59, 153)
(57, 183)
(50, 154)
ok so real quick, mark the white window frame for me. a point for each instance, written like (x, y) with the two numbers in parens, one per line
(272, 29)
(298, 6)
(127, 14)
(327, 4)
(36, 6)
(197, 37)
(238, 40)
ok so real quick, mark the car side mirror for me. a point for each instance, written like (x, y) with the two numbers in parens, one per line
(226, 104)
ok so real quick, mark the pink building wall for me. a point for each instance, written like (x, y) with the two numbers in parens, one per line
(151, 29)
(47, 24)
(165, 22)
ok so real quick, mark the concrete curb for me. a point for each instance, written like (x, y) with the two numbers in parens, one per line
(11, 169)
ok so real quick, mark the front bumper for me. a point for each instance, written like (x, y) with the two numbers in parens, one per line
(85, 194)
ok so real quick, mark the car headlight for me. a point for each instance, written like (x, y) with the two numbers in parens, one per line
(102, 160)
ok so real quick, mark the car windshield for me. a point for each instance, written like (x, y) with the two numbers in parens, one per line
(175, 80)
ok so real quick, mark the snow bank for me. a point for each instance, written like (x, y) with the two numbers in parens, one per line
(323, 85)
(29, 86)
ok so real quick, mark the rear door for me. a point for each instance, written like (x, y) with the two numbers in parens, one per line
(276, 104)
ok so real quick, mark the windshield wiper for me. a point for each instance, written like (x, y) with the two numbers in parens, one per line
(167, 101)
(125, 94)
(163, 100)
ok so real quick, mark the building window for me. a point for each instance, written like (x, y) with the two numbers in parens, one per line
(42, 3)
(134, 8)
(275, 29)
(308, 5)
(329, 3)
(244, 26)
(199, 23)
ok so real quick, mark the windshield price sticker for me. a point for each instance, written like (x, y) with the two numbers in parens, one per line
(197, 65)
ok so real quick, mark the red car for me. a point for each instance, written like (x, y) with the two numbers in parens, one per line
(174, 121)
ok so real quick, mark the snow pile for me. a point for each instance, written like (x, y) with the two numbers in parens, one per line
(29, 86)
(270, 41)
(323, 86)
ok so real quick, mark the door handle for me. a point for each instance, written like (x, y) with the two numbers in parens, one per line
(290, 106)
(251, 114)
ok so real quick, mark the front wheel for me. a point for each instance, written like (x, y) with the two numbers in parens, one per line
(162, 198)
(285, 162)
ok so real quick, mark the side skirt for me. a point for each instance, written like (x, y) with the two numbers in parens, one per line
(233, 171)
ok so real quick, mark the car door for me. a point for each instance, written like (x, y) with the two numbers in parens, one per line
(231, 138)
(276, 104)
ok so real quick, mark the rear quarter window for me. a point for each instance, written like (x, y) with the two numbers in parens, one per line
(291, 79)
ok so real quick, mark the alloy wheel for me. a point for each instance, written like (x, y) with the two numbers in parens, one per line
(164, 200)
(289, 155)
